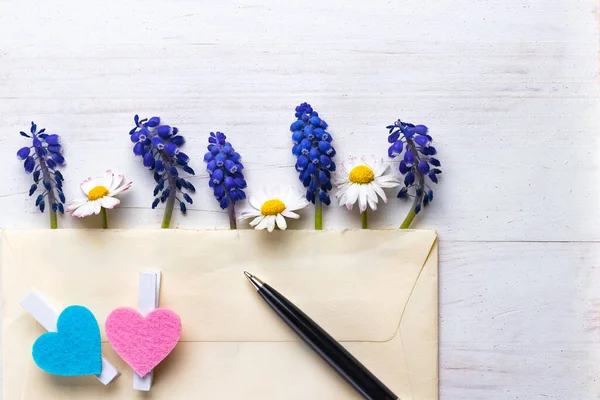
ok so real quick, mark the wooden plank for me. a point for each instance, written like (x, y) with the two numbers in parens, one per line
(519, 320)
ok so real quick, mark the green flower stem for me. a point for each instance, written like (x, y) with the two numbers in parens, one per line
(53, 220)
(412, 213)
(364, 219)
(231, 212)
(51, 197)
(409, 218)
(166, 222)
(318, 214)
(104, 218)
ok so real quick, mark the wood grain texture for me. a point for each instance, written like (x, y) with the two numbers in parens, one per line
(519, 320)
(509, 89)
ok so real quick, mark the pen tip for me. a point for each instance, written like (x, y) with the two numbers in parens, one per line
(257, 283)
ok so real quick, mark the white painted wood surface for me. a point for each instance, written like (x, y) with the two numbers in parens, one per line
(508, 88)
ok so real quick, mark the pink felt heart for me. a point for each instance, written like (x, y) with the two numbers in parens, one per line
(143, 342)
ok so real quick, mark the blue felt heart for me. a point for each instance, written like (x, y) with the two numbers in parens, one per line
(75, 349)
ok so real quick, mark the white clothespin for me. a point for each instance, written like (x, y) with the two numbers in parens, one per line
(148, 297)
(44, 313)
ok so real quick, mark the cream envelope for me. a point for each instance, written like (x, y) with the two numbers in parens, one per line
(373, 290)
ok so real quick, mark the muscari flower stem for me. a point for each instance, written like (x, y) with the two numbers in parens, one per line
(318, 214)
(53, 220)
(231, 212)
(170, 203)
(419, 177)
(166, 223)
(411, 215)
(364, 219)
(51, 198)
(318, 210)
(104, 218)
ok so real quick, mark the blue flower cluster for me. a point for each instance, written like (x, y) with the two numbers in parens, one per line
(225, 169)
(42, 159)
(158, 145)
(312, 146)
(418, 161)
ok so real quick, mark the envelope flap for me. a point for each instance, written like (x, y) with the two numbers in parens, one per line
(355, 283)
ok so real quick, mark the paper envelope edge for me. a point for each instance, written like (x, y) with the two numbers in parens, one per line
(427, 284)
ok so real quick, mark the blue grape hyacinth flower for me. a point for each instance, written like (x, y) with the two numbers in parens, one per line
(158, 146)
(226, 179)
(42, 159)
(418, 166)
(314, 152)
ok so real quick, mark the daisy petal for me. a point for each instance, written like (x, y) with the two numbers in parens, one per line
(276, 192)
(97, 206)
(369, 162)
(117, 180)
(290, 193)
(344, 169)
(262, 224)
(290, 214)
(85, 210)
(281, 223)
(262, 196)
(343, 188)
(372, 204)
(352, 162)
(89, 184)
(268, 193)
(387, 181)
(121, 189)
(380, 169)
(371, 194)
(270, 223)
(249, 214)
(352, 195)
(257, 220)
(76, 204)
(362, 198)
(379, 191)
(294, 205)
(107, 180)
(285, 195)
(109, 202)
(255, 202)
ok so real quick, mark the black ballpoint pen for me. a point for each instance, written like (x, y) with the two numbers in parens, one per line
(359, 377)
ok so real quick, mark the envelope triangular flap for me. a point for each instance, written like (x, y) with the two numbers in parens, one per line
(355, 283)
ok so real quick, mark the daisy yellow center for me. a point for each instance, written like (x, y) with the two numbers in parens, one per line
(97, 193)
(272, 207)
(361, 174)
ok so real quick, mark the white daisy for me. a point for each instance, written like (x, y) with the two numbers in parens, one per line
(100, 193)
(272, 206)
(362, 181)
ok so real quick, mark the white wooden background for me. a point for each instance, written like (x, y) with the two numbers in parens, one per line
(508, 88)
